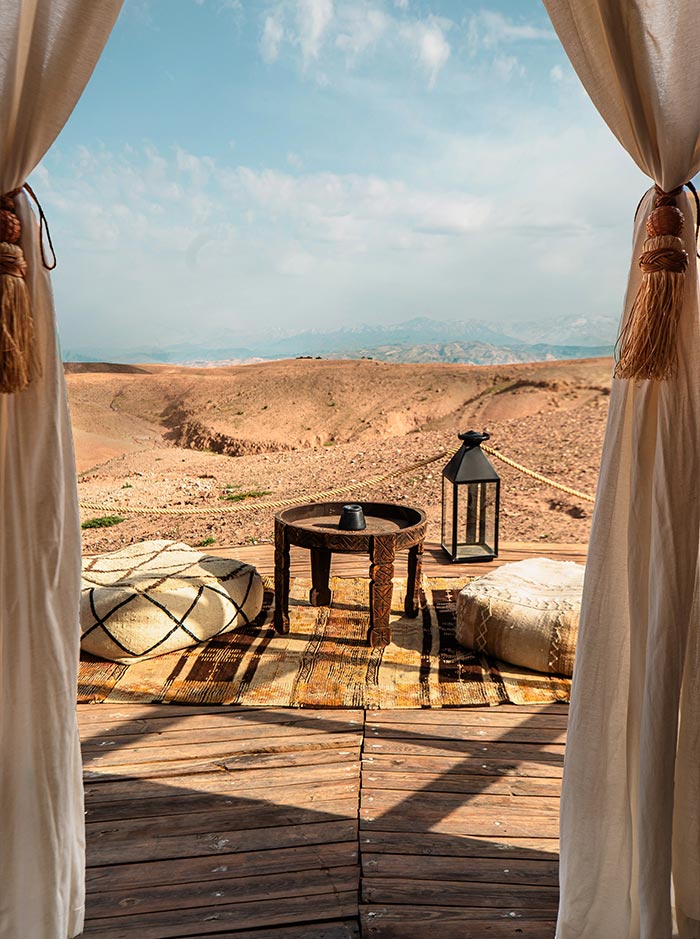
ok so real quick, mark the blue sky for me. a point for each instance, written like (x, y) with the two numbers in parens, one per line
(242, 166)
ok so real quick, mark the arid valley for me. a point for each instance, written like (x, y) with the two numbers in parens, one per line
(222, 439)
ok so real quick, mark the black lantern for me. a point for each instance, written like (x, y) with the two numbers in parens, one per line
(470, 502)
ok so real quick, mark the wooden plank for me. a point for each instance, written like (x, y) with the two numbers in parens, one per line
(223, 781)
(223, 891)
(466, 822)
(488, 749)
(103, 849)
(240, 763)
(476, 870)
(376, 778)
(517, 767)
(229, 815)
(233, 736)
(347, 929)
(174, 803)
(167, 718)
(205, 921)
(459, 845)
(222, 750)
(417, 922)
(87, 713)
(491, 718)
(521, 734)
(382, 800)
(195, 869)
(419, 892)
(550, 707)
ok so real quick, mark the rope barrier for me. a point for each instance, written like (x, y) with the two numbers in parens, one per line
(538, 476)
(330, 493)
(270, 503)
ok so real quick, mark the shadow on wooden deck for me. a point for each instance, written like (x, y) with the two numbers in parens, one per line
(282, 824)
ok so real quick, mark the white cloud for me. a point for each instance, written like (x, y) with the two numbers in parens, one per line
(428, 41)
(507, 67)
(42, 174)
(272, 36)
(401, 4)
(222, 6)
(488, 29)
(315, 29)
(197, 168)
(361, 29)
(556, 73)
(313, 19)
(296, 262)
(357, 211)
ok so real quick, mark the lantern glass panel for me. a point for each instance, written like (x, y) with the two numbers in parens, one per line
(447, 515)
(476, 520)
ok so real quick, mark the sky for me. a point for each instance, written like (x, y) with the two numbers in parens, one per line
(242, 168)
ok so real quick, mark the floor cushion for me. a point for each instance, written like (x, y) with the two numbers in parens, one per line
(524, 613)
(158, 596)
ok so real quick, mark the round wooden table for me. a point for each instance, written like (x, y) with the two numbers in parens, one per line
(390, 528)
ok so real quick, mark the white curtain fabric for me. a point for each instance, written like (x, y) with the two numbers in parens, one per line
(48, 49)
(630, 811)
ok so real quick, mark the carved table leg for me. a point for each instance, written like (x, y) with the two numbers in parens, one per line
(281, 618)
(320, 593)
(381, 572)
(415, 568)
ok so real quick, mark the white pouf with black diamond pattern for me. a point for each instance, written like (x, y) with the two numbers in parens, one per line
(160, 596)
(525, 613)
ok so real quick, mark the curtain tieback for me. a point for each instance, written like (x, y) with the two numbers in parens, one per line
(647, 347)
(19, 362)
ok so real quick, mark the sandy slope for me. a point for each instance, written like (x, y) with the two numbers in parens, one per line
(167, 435)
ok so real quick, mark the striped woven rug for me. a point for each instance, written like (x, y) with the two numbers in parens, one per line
(325, 661)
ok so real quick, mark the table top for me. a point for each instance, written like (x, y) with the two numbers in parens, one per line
(318, 523)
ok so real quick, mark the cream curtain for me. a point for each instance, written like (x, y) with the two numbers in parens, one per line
(631, 799)
(48, 49)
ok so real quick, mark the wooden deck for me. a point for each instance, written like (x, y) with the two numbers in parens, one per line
(435, 561)
(255, 823)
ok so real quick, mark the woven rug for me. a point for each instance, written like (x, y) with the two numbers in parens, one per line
(325, 661)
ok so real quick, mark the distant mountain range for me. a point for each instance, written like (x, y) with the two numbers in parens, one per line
(417, 340)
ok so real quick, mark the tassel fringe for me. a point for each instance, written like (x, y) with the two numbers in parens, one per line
(648, 343)
(18, 360)
(648, 347)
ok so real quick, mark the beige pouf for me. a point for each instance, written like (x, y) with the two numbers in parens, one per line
(524, 613)
(160, 596)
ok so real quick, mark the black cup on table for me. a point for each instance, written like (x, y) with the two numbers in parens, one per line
(352, 518)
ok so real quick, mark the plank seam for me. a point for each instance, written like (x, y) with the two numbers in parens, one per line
(360, 858)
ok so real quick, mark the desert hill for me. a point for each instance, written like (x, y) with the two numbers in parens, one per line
(167, 435)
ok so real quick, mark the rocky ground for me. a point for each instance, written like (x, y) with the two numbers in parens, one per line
(146, 439)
